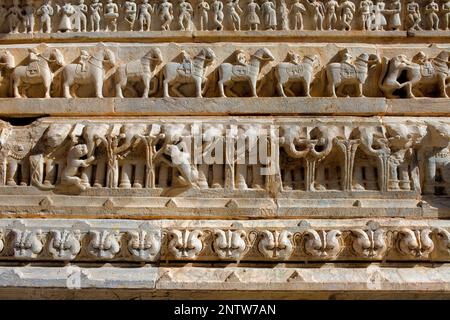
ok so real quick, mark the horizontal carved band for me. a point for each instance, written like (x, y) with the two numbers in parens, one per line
(270, 240)
(244, 71)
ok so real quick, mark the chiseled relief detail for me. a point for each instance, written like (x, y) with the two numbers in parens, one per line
(416, 243)
(321, 243)
(64, 244)
(370, 243)
(443, 239)
(27, 243)
(230, 244)
(144, 244)
(104, 244)
(276, 244)
(186, 244)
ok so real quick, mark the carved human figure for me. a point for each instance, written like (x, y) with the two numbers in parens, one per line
(233, 10)
(96, 8)
(297, 10)
(45, 12)
(217, 8)
(70, 174)
(111, 15)
(28, 12)
(348, 9)
(365, 8)
(14, 17)
(446, 14)
(331, 7)
(318, 13)
(185, 16)
(431, 10)
(66, 12)
(80, 16)
(269, 15)
(414, 16)
(165, 11)
(251, 15)
(145, 15)
(283, 12)
(203, 9)
(379, 19)
(395, 21)
(130, 8)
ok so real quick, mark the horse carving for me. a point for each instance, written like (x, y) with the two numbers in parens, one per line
(176, 74)
(138, 70)
(400, 72)
(37, 71)
(338, 74)
(92, 73)
(293, 71)
(230, 73)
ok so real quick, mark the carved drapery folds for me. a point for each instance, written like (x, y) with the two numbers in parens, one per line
(73, 157)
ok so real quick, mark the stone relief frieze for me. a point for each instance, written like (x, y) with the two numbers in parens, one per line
(45, 16)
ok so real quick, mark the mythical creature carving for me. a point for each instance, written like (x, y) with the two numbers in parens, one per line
(322, 244)
(369, 243)
(138, 70)
(416, 243)
(90, 71)
(186, 244)
(443, 239)
(104, 244)
(64, 244)
(189, 71)
(243, 72)
(288, 73)
(230, 244)
(37, 71)
(276, 244)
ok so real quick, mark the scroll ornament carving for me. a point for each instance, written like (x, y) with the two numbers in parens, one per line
(276, 244)
(186, 244)
(64, 244)
(322, 243)
(27, 243)
(230, 244)
(144, 244)
(369, 243)
(104, 244)
(416, 243)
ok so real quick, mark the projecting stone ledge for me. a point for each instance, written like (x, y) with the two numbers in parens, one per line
(224, 106)
(326, 281)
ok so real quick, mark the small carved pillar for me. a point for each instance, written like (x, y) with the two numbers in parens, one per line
(349, 149)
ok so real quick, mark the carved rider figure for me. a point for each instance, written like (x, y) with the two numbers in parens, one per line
(84, 58)
(33, 59)
(293, 58)
(186, 62)
(241, 58)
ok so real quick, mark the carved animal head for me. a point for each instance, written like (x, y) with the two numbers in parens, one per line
(56, 133)
(78, 151)
(207, 54)
(6, 59)
(400, 135)
(264, 54)
(154, 55)
(439, 133)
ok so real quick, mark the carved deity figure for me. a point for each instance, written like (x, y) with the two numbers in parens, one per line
(203, 8)
(96, 8)
(28, 16)
(14, 17)
(165, 11)
(414, 17)
(365, 7)
(130, 8)
(395, 20)
(331, 8)
(185, 16)
(318, 13)
(233, 10)
(66, 11)
(446, 12)
(45, 12)
(431, 10)
(379, 19)
(111, 15)
(145, 15)
(251, 15)
(217, 8)
(269, 15)
(81, 10)
(348, 9)
(297, 10)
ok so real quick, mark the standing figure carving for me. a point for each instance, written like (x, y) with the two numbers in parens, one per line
(269, 15)
(365, 7)
(185, 16)
(217, 7)
(28, 12)
(165, 11)
(297, 10)
(379, 19)
(284, 15)
(130, 8)
(89, 71)
(37, 71)
(96, 8)
(203, 8)
(14, 17)
(45, 12)
(431, 10)
(348, 10)
(331, 7)
(66, 12)
(233, 12)
(80, 16)
(318, 13)
(241, 72)
(251, 15)
(414, 17)
(446, 12)
(111, 15)
(145, 15)
(138, 70)
(190, 71)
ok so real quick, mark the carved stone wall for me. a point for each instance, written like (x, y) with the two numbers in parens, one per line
(267, 148)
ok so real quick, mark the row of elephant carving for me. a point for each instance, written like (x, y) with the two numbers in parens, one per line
(302, 243)
(175, 157)
(395, 77)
